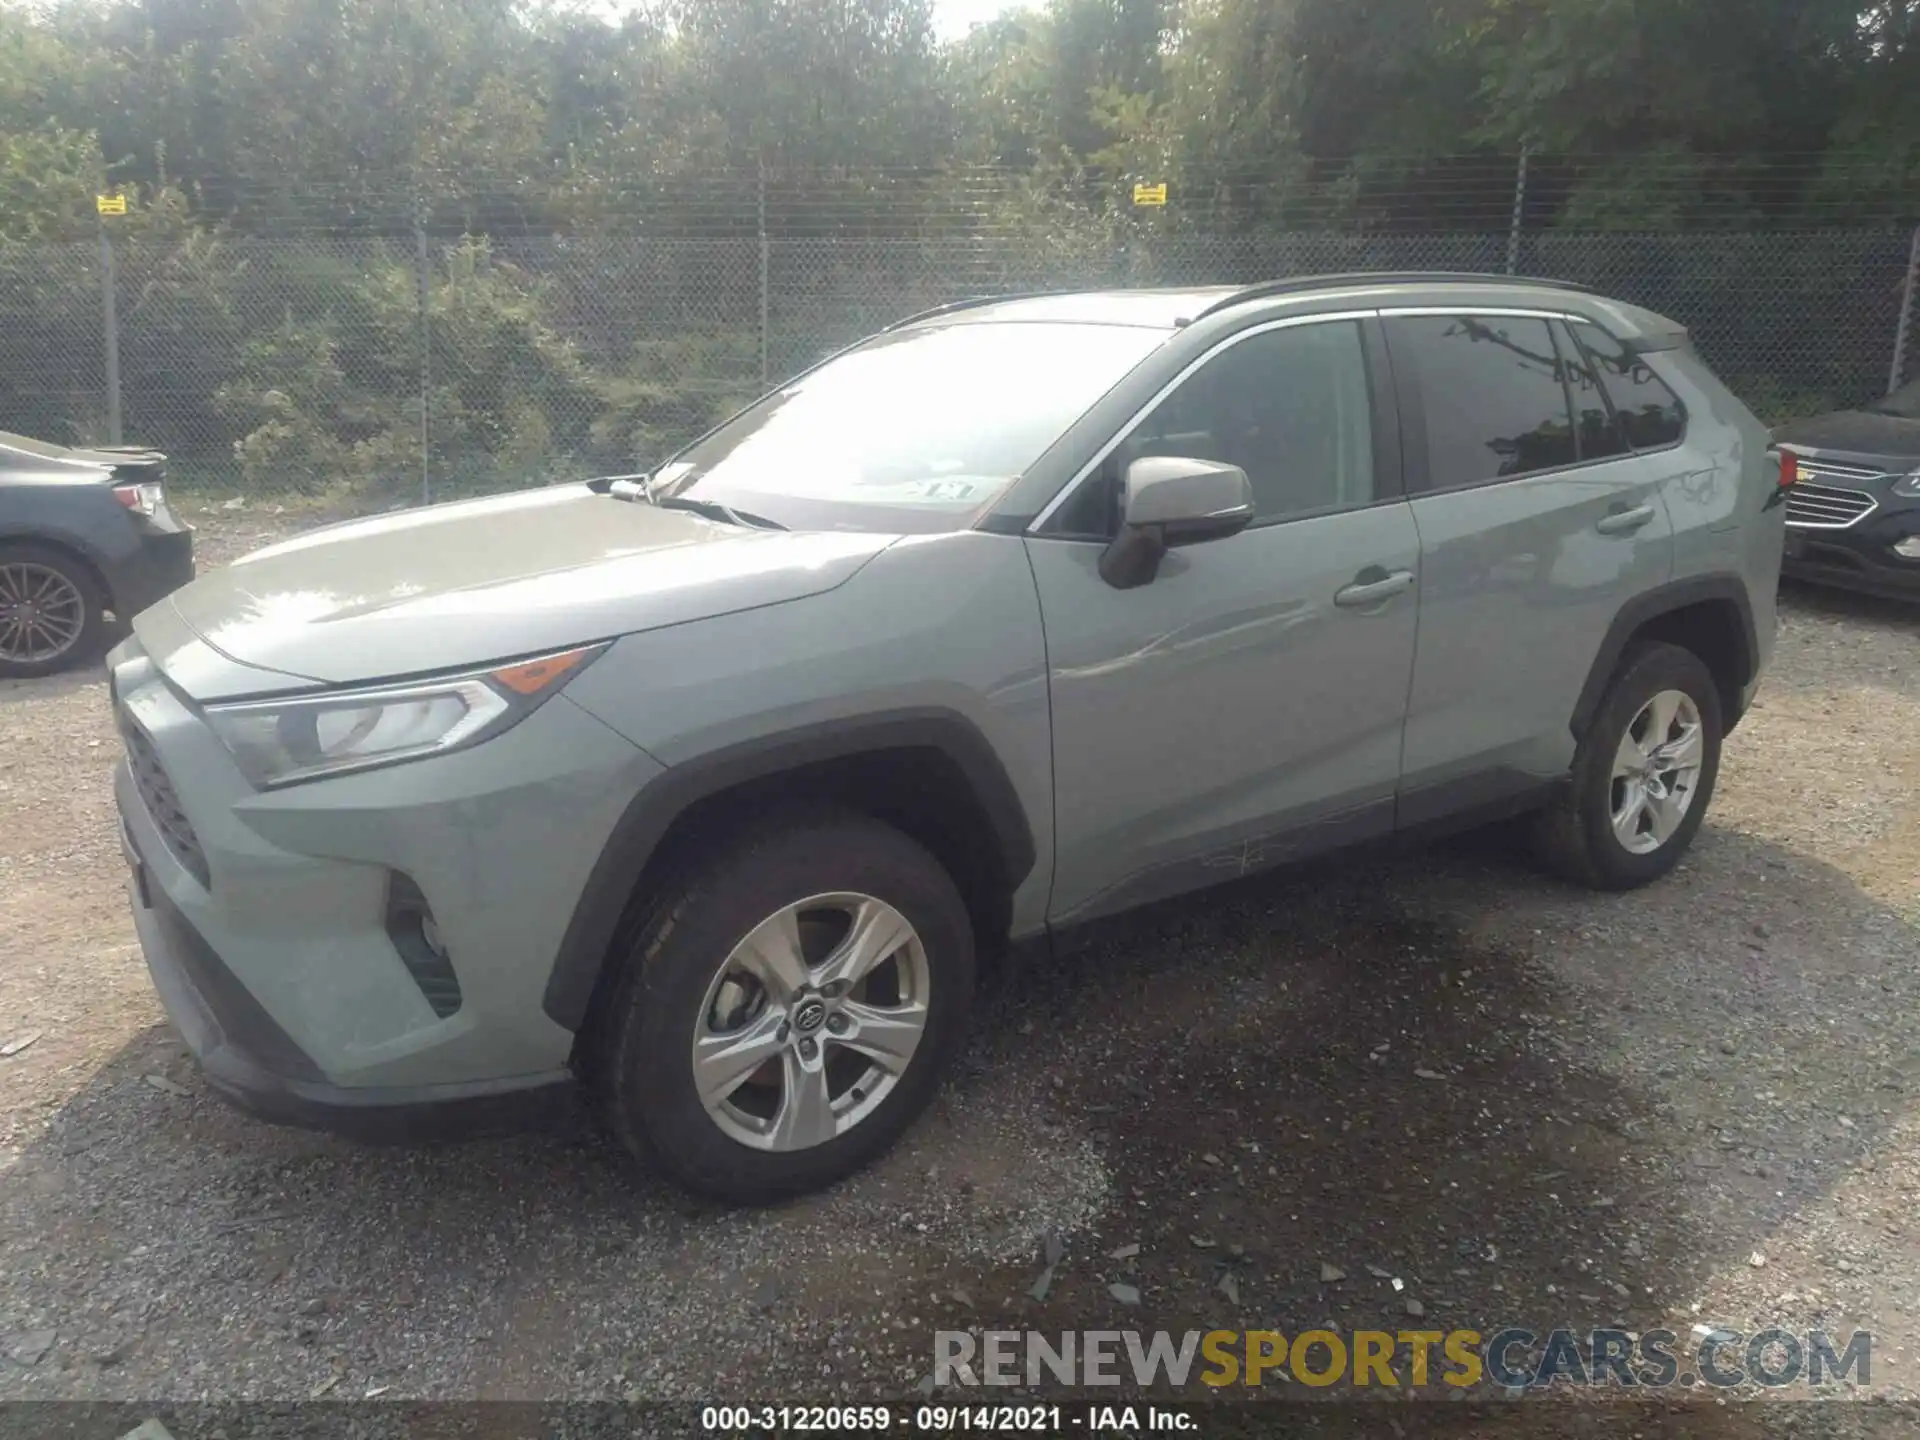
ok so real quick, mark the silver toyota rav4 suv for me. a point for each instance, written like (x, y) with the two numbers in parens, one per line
(704, 789)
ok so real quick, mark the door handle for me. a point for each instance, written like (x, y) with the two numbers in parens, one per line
(1372, 592)
(1624, 522)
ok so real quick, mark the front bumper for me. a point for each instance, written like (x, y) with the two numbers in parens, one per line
(1861, 557)
(266, 921)
(249, 1060)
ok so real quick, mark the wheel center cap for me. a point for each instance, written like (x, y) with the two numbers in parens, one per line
(809, 1017)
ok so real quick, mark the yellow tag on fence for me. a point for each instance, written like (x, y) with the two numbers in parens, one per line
(110, 204)
(1150, 194)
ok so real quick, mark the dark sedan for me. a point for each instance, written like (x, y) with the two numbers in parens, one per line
(1853, 516)
(83, 533)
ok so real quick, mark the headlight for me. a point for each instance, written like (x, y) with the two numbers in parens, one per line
(1908, 485)
(282, 742)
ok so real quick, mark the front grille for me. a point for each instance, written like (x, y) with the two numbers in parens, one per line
(156, 793)
(1814, 506)
(1834, 470)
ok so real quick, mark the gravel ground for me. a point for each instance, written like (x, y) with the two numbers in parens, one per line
(1528, 1104)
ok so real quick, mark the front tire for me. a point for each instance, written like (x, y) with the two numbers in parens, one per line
(786, 1009)
(1643, 774)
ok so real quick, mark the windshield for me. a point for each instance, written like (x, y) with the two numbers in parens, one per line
(1904, 402)
(918, 430)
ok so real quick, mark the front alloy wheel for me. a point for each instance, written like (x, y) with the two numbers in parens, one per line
(786, 1007)
(811, 1021)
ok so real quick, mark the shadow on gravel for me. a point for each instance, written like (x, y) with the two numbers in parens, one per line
(1313, 1112)
(1323, 1114)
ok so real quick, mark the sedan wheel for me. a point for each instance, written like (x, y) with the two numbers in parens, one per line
(51, 611)
(42, 613)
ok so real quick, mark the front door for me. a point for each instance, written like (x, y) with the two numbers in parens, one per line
(1246, 705)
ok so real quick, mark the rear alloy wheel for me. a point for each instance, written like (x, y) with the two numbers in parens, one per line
(786, 1009)
(1656, 772)
(1642, 776)
(50, 611)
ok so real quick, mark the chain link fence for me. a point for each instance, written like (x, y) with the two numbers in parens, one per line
(374, 372)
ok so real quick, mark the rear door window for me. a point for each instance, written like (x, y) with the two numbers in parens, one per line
(1492, 395)
(1598, 434)
(1651, 415)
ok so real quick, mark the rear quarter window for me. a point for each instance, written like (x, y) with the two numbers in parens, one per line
(1650, 414)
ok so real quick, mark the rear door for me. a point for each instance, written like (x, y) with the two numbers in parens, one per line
(1535, 527)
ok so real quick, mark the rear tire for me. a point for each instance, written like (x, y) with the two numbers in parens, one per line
(52, 612)
(710, 974)
(1642, 776)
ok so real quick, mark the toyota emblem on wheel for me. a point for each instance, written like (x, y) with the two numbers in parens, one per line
(809, 1017)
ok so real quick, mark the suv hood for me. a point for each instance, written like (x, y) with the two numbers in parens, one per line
(462, 584)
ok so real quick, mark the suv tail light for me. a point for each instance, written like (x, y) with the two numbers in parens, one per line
(1789, 469)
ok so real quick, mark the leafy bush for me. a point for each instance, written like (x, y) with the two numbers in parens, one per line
(672, 388)
(329, 397)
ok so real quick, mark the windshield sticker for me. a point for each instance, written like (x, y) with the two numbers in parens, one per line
(951, 490)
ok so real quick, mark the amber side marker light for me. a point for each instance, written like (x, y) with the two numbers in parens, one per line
(530, 677)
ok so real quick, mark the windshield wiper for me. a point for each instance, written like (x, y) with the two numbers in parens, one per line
(714, 510)
(640, 488)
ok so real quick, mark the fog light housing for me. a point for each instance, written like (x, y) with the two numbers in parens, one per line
(416, 937)
(1909, 547)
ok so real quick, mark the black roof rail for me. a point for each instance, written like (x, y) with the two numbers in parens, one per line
(1382, 277)
(971, 303)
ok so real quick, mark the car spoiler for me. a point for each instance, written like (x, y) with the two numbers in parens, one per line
(1642, 332)
(1653, 344)
(120, 464)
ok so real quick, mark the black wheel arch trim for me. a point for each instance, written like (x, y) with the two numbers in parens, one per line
(584, 948)
(1649, 606)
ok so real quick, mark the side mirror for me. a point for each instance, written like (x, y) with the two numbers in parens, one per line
(1171, 500)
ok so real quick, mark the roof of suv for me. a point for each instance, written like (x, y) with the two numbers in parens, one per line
(1170, 309)
(1157, 309)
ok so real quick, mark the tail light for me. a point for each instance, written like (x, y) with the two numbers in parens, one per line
(144, 498)
(1789, 469)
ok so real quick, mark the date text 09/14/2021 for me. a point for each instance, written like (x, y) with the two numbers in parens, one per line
(949, 1419)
